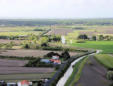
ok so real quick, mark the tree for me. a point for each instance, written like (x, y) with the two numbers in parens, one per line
(94, 38)
(101, 37)
(65, 55)
(43, 40)
(84, 36)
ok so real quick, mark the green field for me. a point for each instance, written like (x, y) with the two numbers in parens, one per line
(105, 59)
(105, 46)
(19, 33)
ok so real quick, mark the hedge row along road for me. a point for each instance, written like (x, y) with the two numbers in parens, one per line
(69, 71)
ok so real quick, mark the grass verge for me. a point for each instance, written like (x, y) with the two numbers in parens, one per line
(105, 59)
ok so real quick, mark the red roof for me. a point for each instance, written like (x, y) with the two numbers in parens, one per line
(24, 82)
(56, 61)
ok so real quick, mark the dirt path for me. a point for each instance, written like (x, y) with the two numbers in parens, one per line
(93, 74)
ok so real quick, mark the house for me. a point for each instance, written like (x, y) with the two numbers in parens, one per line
(55, 57)
(25, 83)
(11, 84)
(55, 61)
(45, 60)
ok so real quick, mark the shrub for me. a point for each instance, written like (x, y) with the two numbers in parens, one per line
(83, 36)
(50, 54)
(80, 41)
(94, 38)
(65, 55)
(32, 63)
(110, 75)
(52, 48)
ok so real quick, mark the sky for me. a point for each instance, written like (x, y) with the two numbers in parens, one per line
(56, 9)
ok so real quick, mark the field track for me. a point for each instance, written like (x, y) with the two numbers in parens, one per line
(93, 75)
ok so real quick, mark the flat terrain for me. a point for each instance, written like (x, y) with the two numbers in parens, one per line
(12, 63)
(18, 77)
(105, 59)
(29, 53)
(105, 46)
(21, 33)
(16, 67)
(24, 70)
(4, 41)
(93, 74)
(14, 70)
(60, 31)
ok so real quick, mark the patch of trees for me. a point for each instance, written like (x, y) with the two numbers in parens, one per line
(36, 62)
(55, 38)
(83, 36)
(7, 45)
(40, 22)
(78, 28)
(50, 54)
(65, 55)
(39, 30)
(105, 37)
(94, 38)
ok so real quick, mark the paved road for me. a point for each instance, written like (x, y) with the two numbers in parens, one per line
(93, 74)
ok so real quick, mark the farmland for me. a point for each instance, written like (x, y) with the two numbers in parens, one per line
(105, 46)
(10, 69)
(40, 40)
(60, 31)
(19, 77)
(105, 59)
(29, 53)
(18, 33)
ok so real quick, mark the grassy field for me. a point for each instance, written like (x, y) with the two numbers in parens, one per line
(22, 28)
(19, 33)
(105, 46)
(105, 59)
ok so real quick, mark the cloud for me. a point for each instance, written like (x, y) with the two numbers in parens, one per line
(56, 8)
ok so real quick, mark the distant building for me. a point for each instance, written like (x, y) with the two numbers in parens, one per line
(63, 39)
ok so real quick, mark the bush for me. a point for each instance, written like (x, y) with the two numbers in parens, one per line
(50, 54)
(33, 63)
(84, 36)
(80, 41)
(110, 75)
(52, 48)
(57, 67)
(65, 55)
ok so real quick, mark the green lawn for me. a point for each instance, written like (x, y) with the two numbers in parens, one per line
(105, 59)
(106, 46)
